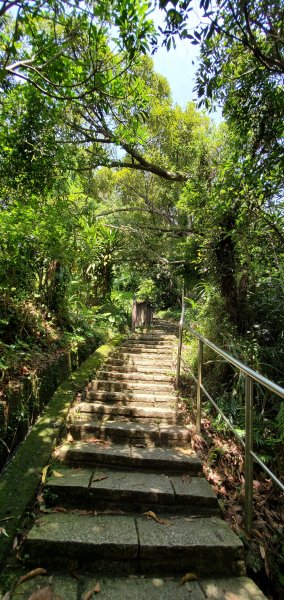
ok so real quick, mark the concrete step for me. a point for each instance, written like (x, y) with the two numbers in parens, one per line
(158, 340)
(133, 412)
(150, 346)
(125, 398)
(137, 349)
(131, 491)
(127, 359)
(143, 587)
(128, 456)
(132, 376)
(129, 432)
(147, 369)
(109, 543)
(131, 386)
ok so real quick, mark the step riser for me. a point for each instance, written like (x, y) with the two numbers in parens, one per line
(106, 558)
(120, 386)
(145, 351)
(125, 377)
(110, 397)
(134, 418)
(137, 370)
(150, 346)
(72, 458)
(100, 500)
(153, 343)
(99, 410)
(153, 438)
(163, 366)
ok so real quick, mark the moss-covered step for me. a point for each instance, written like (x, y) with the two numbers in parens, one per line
(19, 482)
(97, 542)
(129, 490)
(168, 460)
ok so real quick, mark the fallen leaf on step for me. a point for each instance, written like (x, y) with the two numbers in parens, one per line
(76, 575)
(44, 509)
(100, 478)
(69, 437)
(44, 473)
(8, 595)
(188, 577)
(32, 574)
(44, 593)
(151, 515)
(110, 511)
(95, 590)
(186, 478)
(57, 474)
(157, 582)
(231, 596)
(88, 595)
(3, 531)
(185, 451)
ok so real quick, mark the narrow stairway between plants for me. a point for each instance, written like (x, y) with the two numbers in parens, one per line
(130, 507)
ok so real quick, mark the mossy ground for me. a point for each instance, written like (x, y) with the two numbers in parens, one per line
(19, 482)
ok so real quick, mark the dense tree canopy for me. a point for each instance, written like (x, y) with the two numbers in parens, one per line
(108, 188)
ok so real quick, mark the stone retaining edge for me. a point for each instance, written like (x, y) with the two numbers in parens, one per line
(21, 478)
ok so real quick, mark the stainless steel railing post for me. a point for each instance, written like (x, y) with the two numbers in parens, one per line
(181, 323)
(248, 455)
(199, 384)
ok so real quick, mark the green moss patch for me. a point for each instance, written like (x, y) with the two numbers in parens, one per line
(19, 482)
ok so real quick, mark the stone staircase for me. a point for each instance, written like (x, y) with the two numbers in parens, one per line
(128, 503)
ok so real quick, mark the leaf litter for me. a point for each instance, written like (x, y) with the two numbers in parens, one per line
(151, 515)
(89, 594)
(22, 579)
(188, 577)
(225, 472)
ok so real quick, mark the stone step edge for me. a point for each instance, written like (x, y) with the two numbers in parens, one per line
(119, 395)
(131, 386)
(140, 539)
(143, 587)
(105, 429)
(132, 376)
(133, 408)
(104, 485)
(126, 455)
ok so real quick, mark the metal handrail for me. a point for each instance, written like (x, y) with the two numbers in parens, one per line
(273, 387)
(250, 377)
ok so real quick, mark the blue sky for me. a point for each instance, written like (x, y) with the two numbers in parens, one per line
(176, 66)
